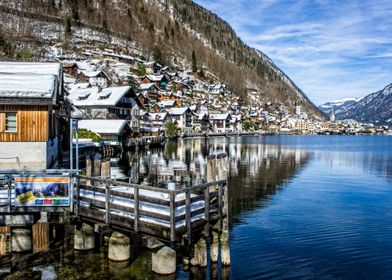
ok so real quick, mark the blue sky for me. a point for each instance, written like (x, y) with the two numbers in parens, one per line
(331, 49)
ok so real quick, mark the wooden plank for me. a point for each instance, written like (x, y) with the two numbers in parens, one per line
(101, 205)
(149, 199)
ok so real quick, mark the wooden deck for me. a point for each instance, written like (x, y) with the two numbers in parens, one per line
(167, 214)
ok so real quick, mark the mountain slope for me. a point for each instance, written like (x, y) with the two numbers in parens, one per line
(374, 108)
(165, 30)
(338, 105)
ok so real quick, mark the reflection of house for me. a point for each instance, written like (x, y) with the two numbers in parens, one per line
(220, 122)
(115, 131)
(95, 78)
(108, 103)
(30, 96)
(183, 117)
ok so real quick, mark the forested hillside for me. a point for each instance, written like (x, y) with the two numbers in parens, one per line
(168, 31)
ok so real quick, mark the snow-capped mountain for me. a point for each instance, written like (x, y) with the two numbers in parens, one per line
(374, 108)
(338, 105)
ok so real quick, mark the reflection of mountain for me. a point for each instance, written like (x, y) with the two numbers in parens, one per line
(255, 170)
(379, 164)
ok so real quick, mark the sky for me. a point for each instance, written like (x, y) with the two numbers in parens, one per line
(331, 49)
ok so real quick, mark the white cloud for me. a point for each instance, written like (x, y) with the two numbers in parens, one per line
(331, 49)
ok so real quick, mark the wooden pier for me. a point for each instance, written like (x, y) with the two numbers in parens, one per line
(163, 218)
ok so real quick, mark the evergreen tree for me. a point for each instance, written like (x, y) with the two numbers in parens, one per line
(67, 27)
(194, 62)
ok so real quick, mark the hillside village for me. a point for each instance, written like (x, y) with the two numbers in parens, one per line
(124, 101)
(109, 85)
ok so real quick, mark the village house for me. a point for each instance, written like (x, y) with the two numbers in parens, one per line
(220, 122)
(160, 81)
(201, 122)
(31, 97)
(71, 68)
(154, 124)
(152, 67)
(183, 118)
(95, 78)
(108, 103)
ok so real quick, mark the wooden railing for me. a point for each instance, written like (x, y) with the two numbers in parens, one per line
(161, 212)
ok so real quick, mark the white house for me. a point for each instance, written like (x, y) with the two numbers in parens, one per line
(95, 78)
(183, 117)
(108, 103)
(220, 122)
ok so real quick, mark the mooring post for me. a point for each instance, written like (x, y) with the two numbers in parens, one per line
(89, 169)
(200, 254)
(119, 247)
(164, 261)
(84, 238)
(21, 240)
(224, 238)
(40, 232)
(105, 169)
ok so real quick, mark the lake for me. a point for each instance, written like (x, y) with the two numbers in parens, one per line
(308, 207)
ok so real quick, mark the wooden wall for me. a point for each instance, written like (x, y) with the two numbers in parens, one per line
(31, 121)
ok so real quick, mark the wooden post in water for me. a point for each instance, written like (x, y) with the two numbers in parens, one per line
(40, 233)
(89, 169)
(224, 238)
(105, 169)
(4, 245)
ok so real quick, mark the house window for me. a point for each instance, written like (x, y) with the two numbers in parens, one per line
(10, 122)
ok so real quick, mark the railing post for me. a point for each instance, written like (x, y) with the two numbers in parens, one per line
(71, 192)
(207, 203)
(172, 217)
(136, 210)
(220, 199)
(77, 196)
(107, 204)
(188, 215)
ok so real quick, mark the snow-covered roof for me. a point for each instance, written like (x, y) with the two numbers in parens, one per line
(24, 85)
(107, 97)
(158, 116)
(155, 78)
(31, 68)
(147, 86)
(103, 126)
(178, 111)
(92, 74)
(219, 116)
(167, 103)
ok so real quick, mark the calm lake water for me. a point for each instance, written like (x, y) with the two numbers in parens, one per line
(303, 207)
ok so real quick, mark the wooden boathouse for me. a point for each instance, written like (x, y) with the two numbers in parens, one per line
(162, 218)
